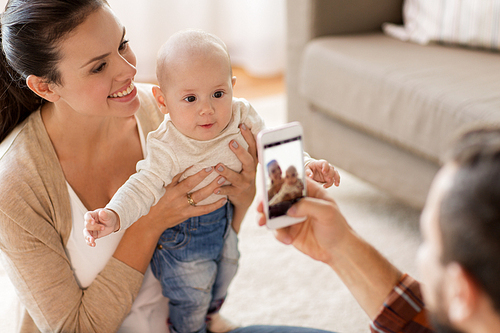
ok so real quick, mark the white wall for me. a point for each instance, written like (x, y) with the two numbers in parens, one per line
(254, 30)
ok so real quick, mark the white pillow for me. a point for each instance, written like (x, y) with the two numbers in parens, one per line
(474, 23)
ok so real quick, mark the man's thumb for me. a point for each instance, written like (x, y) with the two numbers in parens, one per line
(307, 207)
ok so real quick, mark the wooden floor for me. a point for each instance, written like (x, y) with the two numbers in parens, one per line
(250, 87)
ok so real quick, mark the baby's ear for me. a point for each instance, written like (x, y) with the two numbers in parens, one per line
(160, 99)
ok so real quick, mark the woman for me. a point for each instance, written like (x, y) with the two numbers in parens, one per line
(276, 177)
(75, 57)
(70, 115)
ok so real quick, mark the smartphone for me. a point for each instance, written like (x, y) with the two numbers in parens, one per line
(281, 162)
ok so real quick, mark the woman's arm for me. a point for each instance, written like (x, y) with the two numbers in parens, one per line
(241, 192)
(34, 257)
(326, 236)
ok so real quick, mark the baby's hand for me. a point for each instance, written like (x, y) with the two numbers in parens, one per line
(323, 172)
(99, 223)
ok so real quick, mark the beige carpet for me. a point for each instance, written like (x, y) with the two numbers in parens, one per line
(276, 284)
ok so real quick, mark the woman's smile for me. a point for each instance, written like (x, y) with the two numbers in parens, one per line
(123, 92)
(126, 95)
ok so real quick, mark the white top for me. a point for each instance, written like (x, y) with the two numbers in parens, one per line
(169, 152)
(150, 309)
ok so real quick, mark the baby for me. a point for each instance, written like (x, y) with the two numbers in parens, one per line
(201, 117)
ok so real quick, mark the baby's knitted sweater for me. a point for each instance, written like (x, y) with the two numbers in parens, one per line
(169, 152)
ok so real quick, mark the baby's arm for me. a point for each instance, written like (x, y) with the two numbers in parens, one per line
(99, 223)
(319, 170)
(323, 172)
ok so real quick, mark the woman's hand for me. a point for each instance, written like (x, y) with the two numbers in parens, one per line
(174, 207)
(323, 230)
(139, 241)
(241, 192)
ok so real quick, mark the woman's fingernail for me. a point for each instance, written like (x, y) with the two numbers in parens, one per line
(224, 201)
(217, 191)
(292, 210)
(221, 181)
(243, 127)
(234, 144)
(208, 169)
(220, 168)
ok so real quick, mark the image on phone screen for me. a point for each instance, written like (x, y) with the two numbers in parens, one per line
(284, 174)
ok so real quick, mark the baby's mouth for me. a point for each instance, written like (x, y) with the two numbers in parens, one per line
(124, 92)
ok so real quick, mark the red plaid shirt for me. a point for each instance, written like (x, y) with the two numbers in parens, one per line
(403, 310)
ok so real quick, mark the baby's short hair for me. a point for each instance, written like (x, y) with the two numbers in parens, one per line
(291, 169)
(190, 41)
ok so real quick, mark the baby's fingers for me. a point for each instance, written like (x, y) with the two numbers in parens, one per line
(91, 218)
(94, 227)
(330, 174)
(336, 177)
(309, 172)
(92, 221)
(89, 238)
(332, 178)
(329, 177)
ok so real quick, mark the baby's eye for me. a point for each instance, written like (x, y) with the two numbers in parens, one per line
(190, 99)
(218, 94)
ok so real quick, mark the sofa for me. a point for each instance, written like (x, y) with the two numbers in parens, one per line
(377, 107)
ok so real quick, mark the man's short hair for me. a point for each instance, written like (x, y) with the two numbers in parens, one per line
(470, 210)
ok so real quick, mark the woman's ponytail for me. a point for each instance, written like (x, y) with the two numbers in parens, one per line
(30, 31)
(17, 101)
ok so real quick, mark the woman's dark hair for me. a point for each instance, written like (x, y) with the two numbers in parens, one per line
(30, 32)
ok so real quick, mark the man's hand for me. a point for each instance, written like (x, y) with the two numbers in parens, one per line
(322, 231)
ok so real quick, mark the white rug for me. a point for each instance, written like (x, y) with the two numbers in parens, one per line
(278, 285)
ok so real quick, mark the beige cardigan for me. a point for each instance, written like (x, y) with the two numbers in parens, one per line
(35, 223)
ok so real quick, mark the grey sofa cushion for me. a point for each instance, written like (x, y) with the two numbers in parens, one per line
(414, 96)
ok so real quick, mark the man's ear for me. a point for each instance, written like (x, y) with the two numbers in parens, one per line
(43, 89)
(233, 80)
(462, 293)
(160, 99)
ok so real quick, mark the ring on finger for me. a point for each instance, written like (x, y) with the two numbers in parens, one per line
(190, 200)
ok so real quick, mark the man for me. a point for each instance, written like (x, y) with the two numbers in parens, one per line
(459, 258)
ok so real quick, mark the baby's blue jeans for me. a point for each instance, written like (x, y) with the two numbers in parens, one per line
(195, 261)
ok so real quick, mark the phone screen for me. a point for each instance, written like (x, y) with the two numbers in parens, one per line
(284, 174)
